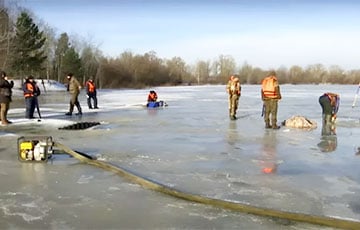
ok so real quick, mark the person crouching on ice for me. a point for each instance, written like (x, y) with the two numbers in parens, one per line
(152, 97)
(330, 105)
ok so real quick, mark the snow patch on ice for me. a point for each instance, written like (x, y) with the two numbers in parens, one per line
(84, 179)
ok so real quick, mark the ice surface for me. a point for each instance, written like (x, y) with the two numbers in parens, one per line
(191, 145)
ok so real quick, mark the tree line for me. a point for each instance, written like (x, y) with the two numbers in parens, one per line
(29, 48)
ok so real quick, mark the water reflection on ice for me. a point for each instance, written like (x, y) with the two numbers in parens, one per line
(193, 146)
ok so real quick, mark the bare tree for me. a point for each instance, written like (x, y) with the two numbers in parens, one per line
(176, 67)
(89, 63)
(4, 35)
(225, 66)
(353, 77)
(202, 71)
(49, 48)
(245, 73)
(62, 46)
(316, 74)
(295, 75)
(282, 74)
(336, 74)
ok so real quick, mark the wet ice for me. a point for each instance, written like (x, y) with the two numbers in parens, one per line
(190, 145)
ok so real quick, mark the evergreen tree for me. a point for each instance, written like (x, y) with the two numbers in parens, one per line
(62, 46)
(4, 36)
(72, 63)
(28, 54)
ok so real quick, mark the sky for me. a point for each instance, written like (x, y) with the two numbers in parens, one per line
(263, 33)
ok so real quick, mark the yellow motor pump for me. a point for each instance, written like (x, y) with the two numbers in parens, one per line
(37, 148)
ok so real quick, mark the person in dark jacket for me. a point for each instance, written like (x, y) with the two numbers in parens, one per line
(74, 88)
(5, 97)
(329, 103)
(31, 91)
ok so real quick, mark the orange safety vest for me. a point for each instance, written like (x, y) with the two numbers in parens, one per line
(152, 97)
(29, 88)
(91, 87)
(268, 87)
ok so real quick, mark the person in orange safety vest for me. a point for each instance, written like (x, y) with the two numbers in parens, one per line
(270, 94)
(152, 97)
(31, 91)
(91, 93)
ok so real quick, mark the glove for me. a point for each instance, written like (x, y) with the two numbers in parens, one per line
(333, 118)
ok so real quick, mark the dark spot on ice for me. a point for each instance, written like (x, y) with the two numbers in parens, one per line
(80, 125)
(240, 184)
(355, 207)
(281, 221)
(358, 152)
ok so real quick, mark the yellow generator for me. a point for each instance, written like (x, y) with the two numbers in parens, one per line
(35, 149)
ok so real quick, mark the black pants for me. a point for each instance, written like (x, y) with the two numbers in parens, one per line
(92, 96)
(74, 102)
(30, 107)
(325, 105)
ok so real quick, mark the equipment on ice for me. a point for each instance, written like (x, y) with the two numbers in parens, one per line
(155, 104)
(38, 149)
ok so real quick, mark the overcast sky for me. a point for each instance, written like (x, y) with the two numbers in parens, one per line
(266, 34)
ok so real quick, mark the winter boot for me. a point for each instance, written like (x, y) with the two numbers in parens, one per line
(79, 109)
(71, 109)
(275, 126)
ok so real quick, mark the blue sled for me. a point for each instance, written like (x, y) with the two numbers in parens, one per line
(155, 104)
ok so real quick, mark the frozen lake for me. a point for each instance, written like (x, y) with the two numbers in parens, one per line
(191, 145)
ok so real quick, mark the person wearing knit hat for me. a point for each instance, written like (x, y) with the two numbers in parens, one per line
(74, 88)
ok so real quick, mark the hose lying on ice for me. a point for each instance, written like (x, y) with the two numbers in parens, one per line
(312, 219)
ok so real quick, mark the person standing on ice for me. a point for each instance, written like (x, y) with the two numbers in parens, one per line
(5, 97)
(233, 88)
(270, 95)
(74, 88)
(31, 91)
(231, 79)
(91, 93)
